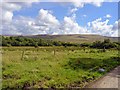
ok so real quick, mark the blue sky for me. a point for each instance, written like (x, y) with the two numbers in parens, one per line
(60, 11)
(30, 18)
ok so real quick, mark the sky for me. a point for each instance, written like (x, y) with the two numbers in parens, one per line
(72, 17)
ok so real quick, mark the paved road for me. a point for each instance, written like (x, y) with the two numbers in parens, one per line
(110, 80)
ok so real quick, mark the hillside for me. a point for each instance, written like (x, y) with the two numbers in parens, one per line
(75, 38)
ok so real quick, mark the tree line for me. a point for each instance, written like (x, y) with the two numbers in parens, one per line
(26, 41)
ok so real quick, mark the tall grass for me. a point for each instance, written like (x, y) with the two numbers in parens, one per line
(26, 67)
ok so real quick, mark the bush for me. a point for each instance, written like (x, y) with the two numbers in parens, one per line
(106, 44)
(84, 45)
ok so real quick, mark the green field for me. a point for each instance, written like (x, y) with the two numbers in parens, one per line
(29, 67)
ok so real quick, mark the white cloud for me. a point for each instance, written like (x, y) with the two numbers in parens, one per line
(108, 16)
(84, 15)
(46, 17)
(7, 16)
(73, 10)
(7, 11)
(8, 8)
(103, 28)
(44, 23)
(52, 26)
(70, 26)
(45, 20)
(81, 3)
(18, 26)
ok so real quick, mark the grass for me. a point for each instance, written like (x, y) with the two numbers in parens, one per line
(76, 38)
(51, 67)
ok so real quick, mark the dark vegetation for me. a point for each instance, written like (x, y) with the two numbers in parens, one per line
(105, 44)
(27, 41)
(94, 64)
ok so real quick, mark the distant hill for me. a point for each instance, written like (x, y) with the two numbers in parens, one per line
(75, 38)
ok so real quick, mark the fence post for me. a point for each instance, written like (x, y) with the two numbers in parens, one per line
(22, 55)
(54, 51)
(104, 50)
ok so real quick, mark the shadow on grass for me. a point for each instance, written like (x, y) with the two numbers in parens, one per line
(91, 64)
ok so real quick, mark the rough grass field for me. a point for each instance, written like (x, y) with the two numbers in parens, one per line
(29, 67)
(75, 38)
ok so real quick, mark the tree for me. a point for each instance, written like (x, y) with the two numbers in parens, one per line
(96, 44)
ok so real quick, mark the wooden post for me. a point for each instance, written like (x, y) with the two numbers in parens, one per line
(104, 49)
(54, 51)
(22, 55)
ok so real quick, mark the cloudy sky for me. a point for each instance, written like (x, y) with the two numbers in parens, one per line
(71, 17)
